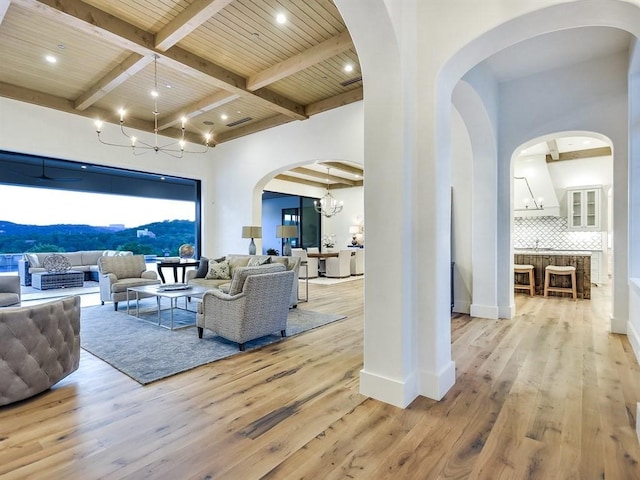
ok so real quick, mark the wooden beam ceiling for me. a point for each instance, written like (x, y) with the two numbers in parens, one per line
(327, 49)
(143, 46)
(186, 22)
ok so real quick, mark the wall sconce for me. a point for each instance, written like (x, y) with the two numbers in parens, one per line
(252, 232)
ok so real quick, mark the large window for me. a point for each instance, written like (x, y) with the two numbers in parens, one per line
(94, 207)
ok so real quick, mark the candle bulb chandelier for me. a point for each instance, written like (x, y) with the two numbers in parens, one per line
(175, 149)
(327, 205)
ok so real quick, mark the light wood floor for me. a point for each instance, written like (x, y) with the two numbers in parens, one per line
(548, 395)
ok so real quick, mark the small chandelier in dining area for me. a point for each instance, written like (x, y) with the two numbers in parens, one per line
(175, 149)
(328, 205)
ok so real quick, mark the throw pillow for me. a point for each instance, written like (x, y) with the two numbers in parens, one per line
(218, 270)
(259, 260)
(34, 261)
(203, 268)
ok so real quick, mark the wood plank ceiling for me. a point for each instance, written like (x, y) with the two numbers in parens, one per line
(226, 65)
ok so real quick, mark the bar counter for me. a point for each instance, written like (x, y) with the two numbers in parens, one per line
(541, 258)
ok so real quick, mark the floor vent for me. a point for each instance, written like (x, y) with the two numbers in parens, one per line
(238, 122)
(351, 81)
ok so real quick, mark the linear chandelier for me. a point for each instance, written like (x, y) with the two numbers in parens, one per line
(175, 149)
(537, 204)
(327, 205)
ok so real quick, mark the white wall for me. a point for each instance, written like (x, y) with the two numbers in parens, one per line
(461, 215)
(242, 168)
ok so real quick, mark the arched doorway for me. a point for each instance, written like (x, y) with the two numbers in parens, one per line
(411, 325)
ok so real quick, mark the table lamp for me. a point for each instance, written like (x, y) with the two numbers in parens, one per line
(252, 232)
(286, 232)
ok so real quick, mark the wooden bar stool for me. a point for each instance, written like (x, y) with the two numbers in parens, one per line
(558, 270)
(531, 286)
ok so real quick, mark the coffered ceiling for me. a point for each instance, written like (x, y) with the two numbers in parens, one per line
(228, 66)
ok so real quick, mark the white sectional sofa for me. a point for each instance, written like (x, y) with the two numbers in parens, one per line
(85, 261)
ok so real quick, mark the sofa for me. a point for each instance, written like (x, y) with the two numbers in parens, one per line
(200, 278)
(257, 304)
(39, 346)
(85, 261)
(118, 273)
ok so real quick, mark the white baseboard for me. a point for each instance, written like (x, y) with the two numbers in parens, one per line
(634, 340)
(388, 390)
(435, 386)
(507, 311)
(484, 311)
(462, 307)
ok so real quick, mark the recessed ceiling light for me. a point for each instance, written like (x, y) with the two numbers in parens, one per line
(168, 86)
(51, 59)
(281, 18)
(348, 67)
(224, 116)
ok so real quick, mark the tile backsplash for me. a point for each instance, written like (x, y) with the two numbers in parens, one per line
(552, 232)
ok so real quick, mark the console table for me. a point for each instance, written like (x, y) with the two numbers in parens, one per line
(175, 266)
(47, 281)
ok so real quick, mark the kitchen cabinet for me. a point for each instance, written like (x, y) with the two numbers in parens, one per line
(584, 208)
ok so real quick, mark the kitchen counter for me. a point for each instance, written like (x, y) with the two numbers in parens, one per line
(542, 251)
(541, 258)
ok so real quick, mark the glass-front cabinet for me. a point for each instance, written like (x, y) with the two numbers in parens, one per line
(584, 208)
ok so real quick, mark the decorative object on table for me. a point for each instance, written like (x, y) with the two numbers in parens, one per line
(286, 232)
(272, 251)
(354, 230)
(186, 251)
(175, 149)
(329, 241)
(56, 263)
(327, 205)
(251, 231)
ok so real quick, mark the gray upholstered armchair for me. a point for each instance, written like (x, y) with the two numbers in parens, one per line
(39, 346)
(9, 291)
(257, 304)
(119, 273)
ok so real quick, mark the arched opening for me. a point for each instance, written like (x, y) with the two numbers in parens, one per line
(561, 211)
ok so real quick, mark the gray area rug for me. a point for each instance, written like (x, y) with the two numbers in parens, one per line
(146, 352)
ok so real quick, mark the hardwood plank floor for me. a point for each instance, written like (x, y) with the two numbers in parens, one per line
(550, 394)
